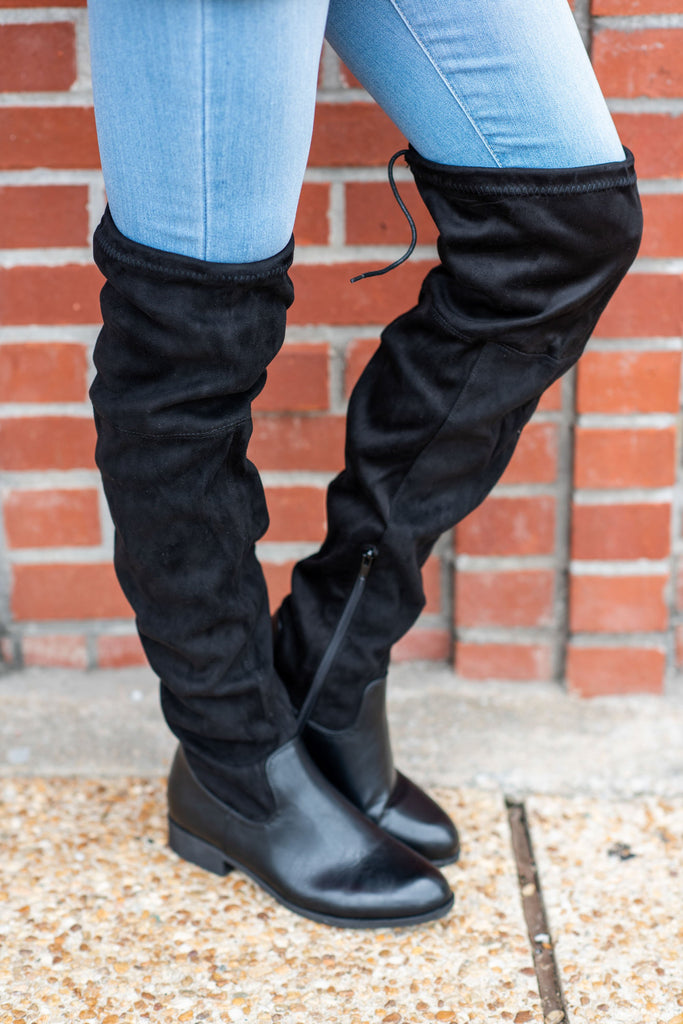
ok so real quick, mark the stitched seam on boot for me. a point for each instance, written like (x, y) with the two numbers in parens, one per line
(450, 329)
(207, 277)
(444, 79)
(604, 185)
(472, 376)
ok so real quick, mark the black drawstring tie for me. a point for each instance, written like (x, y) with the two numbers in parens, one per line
(413, 230)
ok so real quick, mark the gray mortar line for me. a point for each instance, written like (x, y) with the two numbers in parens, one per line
(505, 563)
(654, 344)
(646, 105)
(5, 573)
(628, 421)
(517, 636)
(619, 641)
(563, 523)
(660, 186)
(582, 17)
(83, 81)
(636, 22)
(623, 496)
(637, 567)
(77, 98)
(46, 257)
(671, 586)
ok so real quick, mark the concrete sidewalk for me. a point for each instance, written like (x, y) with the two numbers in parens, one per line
(99, 922)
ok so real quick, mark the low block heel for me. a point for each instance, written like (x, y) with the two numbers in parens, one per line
(196, 851)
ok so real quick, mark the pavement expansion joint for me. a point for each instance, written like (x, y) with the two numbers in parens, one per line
(540, 938)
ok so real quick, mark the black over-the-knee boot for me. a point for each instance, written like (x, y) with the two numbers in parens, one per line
(182, 353)
(528, 261)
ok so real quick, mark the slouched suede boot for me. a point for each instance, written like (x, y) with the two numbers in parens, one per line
(528, 262)
(182, 353)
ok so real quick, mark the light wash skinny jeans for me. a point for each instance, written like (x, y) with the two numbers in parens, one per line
(205, 107)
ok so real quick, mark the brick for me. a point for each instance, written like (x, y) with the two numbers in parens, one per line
(656, 140)
(663, 225)
(279, 581)
(618, 604)
(624, 458)
(37, 58)
(644, 305)
(297, 380)
(296, 513)
(373, 217)
(119, 651)
(535, 458)
(620, 531)
(56, 650)
(43, 372)
(509, 526)
(639, 63)
(422, 644)
(515, 662)
(353, 134)
(324, 294)
(50, 295)
(312, 226)
(599, 671)
(504, 598)
(47, 442)
(33, 216)
(618, 8)
(68, 591)
(627, 382)
(313, 443)
(54, 518)
(551, 399)
(61, 137)
(42, 3)
(358, 355)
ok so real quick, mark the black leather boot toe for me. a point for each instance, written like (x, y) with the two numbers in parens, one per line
(315, 854)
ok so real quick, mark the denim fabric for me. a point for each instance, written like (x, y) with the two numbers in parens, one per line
(480, 83)
(205, 107)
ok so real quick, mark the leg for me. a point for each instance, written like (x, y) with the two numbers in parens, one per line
(532, 246)
(183, 113)
(480, 83)
(204, 117)
(183, 351)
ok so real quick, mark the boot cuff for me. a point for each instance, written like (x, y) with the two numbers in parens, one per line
(521, 181)
(109, 244)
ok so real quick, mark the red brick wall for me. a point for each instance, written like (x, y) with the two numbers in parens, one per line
(569, 570)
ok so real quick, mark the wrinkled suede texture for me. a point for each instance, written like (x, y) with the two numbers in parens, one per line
(182, 353)
(528, 262)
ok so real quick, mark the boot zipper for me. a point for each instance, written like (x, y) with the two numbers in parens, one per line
(368, 557)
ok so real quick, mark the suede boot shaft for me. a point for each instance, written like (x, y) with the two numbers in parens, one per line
(182, 353)
(528, 261)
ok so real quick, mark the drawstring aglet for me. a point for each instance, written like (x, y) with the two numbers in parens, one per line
(413, 229)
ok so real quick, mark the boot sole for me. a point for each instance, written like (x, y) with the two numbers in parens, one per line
(204, 855)
(444, 862)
